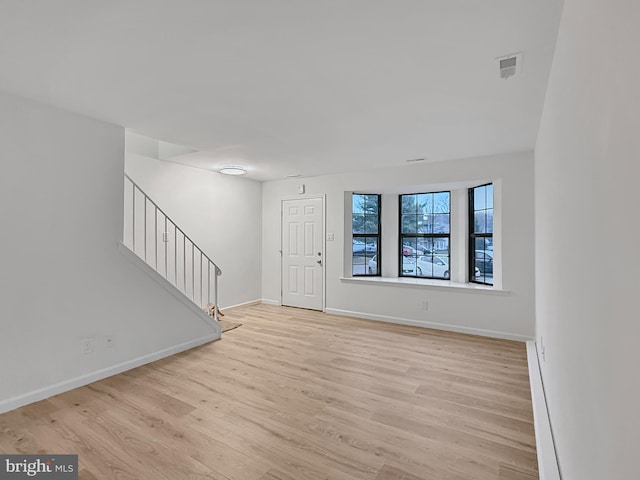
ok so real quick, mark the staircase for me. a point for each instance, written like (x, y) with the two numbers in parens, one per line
(156, 239)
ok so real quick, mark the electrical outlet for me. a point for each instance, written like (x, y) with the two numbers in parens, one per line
(87, 345)
(109, 341)
(424, 305)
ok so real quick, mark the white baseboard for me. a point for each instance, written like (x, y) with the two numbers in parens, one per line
(437, 326)
(545, 446)
(267, 301)
(86, 379)
(244, 304)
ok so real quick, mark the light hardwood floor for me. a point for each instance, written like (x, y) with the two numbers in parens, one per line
(300, 395)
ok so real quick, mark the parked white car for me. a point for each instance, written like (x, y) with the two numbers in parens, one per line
(427, 266)
(408, 266)
(433, 266)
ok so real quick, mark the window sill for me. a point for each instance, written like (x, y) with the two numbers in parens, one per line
(427, 283)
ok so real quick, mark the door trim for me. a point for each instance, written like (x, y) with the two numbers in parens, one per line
(322, 197)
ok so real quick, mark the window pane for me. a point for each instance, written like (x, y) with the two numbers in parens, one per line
(441, 261)
(357, 260)
(478, 277)
(490, 221)
(365, 250)
(480, 222)
(441, 247)
(358, 223)
(408, 224)
(441, 223)
(408, 203)
(408, 266)
(441, 267)
(371, 253)
(424, 266)
(490, 196)
(488, 245)
(484, 260)
(425, 203)
(371, 246)
(357, 202)
(370, 224)
(371, 204)
(479, 198)
(425, 246)
(478, 257)
(441, 202)
(425, 223)
(409, 247)
(372, 266)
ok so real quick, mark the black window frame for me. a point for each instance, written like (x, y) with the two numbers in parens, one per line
(416, 235)
(473, 235)
(364, 236)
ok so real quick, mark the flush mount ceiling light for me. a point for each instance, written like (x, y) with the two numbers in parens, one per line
(233, 170)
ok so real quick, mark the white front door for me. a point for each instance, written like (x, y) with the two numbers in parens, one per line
(302, 253)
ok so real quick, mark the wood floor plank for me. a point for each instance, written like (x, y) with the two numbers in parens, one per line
(391, 473)
(509, 472)
(300, 395)
(84, 474)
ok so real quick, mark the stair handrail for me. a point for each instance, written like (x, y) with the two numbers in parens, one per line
(218, 270)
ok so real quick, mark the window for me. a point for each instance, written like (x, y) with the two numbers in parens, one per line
(365, 214)
(424, 235)
(481, 234)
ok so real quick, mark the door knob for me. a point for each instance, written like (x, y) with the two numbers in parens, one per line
(319, 262)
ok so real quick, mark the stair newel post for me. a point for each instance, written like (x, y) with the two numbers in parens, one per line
(175, 253)
(145, 228)
(155, 233)
(133, 216)
(208, 282)
(215, 294)
(193, 272)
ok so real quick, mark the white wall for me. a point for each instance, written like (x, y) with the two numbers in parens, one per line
(62, 275)
(509, 314)
(587, 173)
(221, 214)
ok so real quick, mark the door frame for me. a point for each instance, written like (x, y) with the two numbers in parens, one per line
(322, 197)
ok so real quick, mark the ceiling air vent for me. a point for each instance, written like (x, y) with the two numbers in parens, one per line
(510, 65)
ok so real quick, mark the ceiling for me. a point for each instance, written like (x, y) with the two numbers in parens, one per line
(288, 87)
